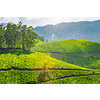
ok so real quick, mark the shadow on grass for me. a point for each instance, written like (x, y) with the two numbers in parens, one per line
(16, 51)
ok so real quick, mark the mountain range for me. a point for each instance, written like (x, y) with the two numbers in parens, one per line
(85, 30)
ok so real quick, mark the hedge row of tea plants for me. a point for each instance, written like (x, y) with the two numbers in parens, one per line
(91, 79)
(24, 77)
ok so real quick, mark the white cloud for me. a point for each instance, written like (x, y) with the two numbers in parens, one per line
(41, 21)
(9, 19)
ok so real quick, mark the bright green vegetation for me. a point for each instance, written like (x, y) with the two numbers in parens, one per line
(78, 52)
(88, 60)
(24, 77)
(94, 65)
(17, 77)
(14, 51)
(33, 60)
(38, 42)
(77, 67)
(69, 46)
(91, 79)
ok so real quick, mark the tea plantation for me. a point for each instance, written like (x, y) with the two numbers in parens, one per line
(63, 62)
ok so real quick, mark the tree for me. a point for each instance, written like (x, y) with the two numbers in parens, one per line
(24, 34)
(14, 34)
(9, 35)
(41, 38)
(19, 29)
(18, 35)
(30, 37)
(1, 36)
(46, 40)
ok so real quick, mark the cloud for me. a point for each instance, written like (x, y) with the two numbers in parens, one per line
(42, 21)
(36, 21)
(9, 19)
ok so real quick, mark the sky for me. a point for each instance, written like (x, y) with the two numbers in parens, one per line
(42, 12)
(42, 21)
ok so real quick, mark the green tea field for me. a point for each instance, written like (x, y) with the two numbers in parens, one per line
(60, 62)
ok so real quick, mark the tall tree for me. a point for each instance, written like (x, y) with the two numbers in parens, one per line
(30, 37)
(19, 29)
(9, 35)
(1, 36)
(46, 40)
(14, 34)
(24, 34)
(18, 35)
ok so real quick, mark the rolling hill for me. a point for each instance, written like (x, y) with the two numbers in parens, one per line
(78, 52)
(69, 46)
(18, 67)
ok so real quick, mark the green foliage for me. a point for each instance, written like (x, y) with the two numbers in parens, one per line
(88, 60)
(70, 46)
(41, 38)
(94, 65)
(17, 36)
(22, 67)
(37, 43)
(91, 79)
(33, 60)
(18, 77)
(1, 36)
(23, 77)
(9, 35)
(78, 52)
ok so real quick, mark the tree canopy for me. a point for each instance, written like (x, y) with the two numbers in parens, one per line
(17, 36)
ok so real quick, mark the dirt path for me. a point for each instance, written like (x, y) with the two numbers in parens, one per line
(66, 53)
(38, 69)
(68, 77)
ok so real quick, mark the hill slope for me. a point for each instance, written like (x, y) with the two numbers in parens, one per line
(69, 46)
(78, 52)
(18, 67)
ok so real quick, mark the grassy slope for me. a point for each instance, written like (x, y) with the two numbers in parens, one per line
(38, 43)
(33, 60)
(69, 46)
(90, 59)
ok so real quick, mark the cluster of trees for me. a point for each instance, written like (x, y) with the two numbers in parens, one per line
(41, 38)
(17, 36)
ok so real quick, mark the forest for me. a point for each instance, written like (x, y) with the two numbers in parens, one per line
(18, 36)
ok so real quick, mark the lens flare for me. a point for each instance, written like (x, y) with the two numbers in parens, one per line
(52, 35)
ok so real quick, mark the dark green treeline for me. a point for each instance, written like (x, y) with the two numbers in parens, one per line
(17, 36)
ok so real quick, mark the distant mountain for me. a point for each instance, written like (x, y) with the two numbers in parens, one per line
(5, 24)
(86, 30)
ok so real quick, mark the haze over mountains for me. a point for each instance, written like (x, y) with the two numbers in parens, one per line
(85, 30)
(5, 24)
